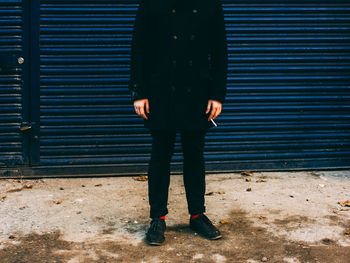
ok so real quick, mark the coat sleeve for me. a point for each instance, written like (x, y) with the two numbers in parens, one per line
(137, 83)
(219, 56)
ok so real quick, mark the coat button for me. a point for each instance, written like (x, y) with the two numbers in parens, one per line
(175, 36)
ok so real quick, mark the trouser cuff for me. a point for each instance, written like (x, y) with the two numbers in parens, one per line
(198, 210)
(155, 213)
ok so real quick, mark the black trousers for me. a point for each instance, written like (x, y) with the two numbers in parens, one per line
(193, 170)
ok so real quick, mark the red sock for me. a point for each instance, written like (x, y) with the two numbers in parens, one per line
(162, 217)
(194, 216)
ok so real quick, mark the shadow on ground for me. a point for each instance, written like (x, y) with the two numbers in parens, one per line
(242, 242)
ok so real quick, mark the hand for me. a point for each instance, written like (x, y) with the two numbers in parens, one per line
(215, 107)
(140, 106)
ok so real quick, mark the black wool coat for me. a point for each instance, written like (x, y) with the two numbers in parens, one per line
(178, 61)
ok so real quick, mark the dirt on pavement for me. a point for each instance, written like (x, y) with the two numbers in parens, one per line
(264, 217)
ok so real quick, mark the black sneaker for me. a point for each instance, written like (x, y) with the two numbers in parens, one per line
(203, 226)
(155, 233)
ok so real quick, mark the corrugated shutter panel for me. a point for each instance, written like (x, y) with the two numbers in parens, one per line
(11, 82)
(288, 99)
(288, 105)
(86, 115)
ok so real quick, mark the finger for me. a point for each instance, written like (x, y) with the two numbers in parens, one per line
(212, 113)
(137, 111)
(217, 113)
(147, 106)
(208, 106)
(142, 113)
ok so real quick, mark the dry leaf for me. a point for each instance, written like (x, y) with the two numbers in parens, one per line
(247, 173)
(347, 232)
(57, 201)
(14, 190)
(260, 181)
(217, 192)
(141, 178)
(223, 221)
(26, 186)
(344, 203)
(315, 174)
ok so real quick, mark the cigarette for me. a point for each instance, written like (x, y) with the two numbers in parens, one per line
(213, 122)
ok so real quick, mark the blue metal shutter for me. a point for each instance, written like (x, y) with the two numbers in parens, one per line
(288, 88)
(288, 101)
(11, 82)
(85, 109)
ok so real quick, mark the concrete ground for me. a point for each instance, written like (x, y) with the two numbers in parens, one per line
(264, 217)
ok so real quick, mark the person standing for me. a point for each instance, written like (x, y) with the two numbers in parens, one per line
(178, 84)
